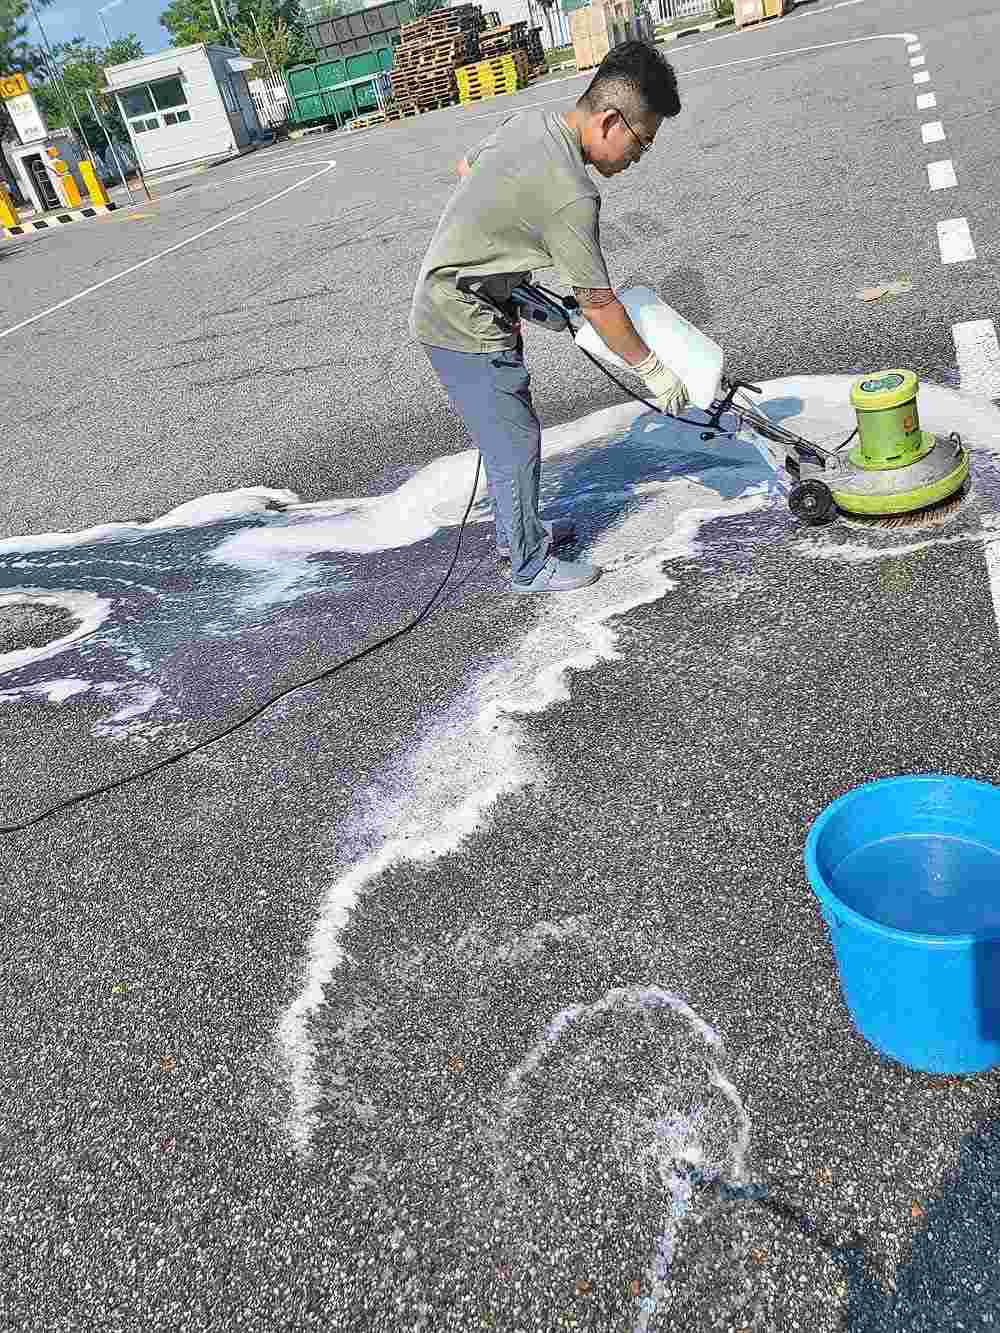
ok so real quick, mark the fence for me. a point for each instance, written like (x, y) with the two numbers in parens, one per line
(684, 9)
(270, 97)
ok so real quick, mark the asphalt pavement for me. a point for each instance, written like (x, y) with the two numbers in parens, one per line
(479, 986)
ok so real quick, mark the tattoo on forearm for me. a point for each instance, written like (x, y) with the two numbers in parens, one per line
(594, 296)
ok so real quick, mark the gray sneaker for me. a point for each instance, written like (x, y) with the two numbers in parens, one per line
(559, 576)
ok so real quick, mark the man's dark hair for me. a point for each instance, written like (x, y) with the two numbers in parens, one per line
(636, 77)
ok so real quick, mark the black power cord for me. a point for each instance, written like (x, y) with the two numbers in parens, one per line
(246, 718)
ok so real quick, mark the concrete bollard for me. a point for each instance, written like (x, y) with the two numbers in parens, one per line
(98, 194)
(8, 213)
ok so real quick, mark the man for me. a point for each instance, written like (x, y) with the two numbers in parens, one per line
(525, 201)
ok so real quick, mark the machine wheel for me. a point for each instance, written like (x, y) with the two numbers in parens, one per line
(811, 501)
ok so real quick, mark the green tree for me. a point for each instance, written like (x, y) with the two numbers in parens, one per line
(16, 52)
(64, 102)
(17, 55)
(190, 22)
(280, 22)
(265, 36)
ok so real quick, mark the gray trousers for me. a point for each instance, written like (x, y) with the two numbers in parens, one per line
(491, 391)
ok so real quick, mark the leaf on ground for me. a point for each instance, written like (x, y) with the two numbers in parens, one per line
(635, 1286)
(917, 1211)
(584, 1286)
(455, 1064)
(897, 287)
(168, 1064)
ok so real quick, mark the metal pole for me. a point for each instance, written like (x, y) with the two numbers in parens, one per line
(114, 153)
(262, 46)
(224, 25)
(58, 77)
(100, 15)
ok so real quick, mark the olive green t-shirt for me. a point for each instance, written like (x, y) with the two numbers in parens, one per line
(526, 203)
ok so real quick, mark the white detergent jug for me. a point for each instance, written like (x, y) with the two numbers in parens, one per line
(692, 356)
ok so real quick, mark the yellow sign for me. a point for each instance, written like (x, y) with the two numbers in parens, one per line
(12, 85)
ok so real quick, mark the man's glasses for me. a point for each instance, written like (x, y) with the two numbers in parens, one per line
(644, 147)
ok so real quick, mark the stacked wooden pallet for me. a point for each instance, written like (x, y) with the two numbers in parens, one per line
(500, 41)
(393, 111)
(367, 121)
(536, 53)
(401, 110)
(493, 78)
(512, 37)
(430, 51)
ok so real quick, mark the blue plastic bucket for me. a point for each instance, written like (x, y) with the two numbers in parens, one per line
(907, 871)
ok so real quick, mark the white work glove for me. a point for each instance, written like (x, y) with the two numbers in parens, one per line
(665, 389)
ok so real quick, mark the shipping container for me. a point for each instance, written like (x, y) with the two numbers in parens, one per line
(364, 30)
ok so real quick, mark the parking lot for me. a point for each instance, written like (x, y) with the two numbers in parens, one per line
(480, 985)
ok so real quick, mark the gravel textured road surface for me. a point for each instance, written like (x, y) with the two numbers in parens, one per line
(479, 986)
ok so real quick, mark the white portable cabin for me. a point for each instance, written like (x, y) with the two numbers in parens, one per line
(186, 104)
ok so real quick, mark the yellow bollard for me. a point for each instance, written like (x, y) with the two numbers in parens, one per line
(98, 194)
(71, 191)
(8, 213)
(66, 186)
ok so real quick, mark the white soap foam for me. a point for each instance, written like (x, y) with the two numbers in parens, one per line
(278, 556)
(89, 610)
(52, 691)
(123, 724)
(195, 513)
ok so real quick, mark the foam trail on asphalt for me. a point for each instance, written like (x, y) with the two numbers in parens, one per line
(442, 791)
(667, 1140)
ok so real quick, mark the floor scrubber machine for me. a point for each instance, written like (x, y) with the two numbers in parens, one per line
(894, 471)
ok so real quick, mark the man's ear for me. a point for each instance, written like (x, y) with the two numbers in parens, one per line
(606, 120)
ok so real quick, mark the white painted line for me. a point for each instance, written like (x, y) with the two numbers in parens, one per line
(955, 241)
(914, 48)
(922, 76)
(978, 354)
(161, 254)
(942, 175)
(932, 132)
(844, 3)
(917, 61)
(925, 101)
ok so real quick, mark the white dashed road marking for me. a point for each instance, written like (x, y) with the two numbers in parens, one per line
(917, 61)
(925, 101)
(941, 175)
(955, 241)
(978, 353)
(922, 76)
(932, 132)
